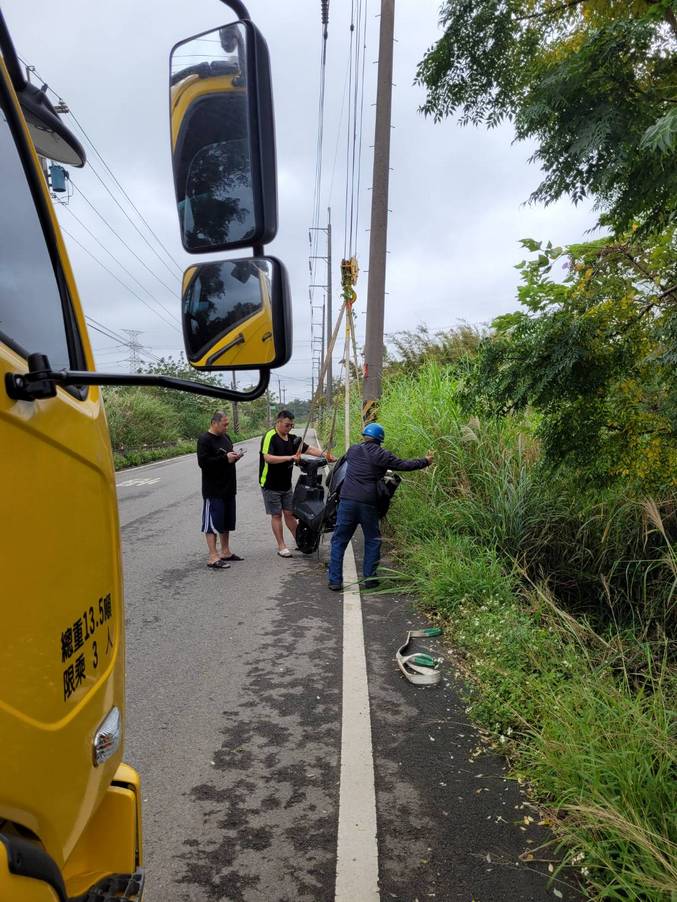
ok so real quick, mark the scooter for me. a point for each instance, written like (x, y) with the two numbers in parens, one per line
(314, 515)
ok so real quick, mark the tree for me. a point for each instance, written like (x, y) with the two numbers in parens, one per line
(595, 355)
(410, 349)
(592, 82)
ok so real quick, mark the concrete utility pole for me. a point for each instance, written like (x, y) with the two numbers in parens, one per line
(373, 347)
(236, 411)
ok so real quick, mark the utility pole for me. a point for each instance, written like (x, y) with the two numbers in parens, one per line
(329, 316)
(327, 324)
(236, 412)
(373, 347)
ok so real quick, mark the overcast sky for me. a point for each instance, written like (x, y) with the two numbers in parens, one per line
(456, 195)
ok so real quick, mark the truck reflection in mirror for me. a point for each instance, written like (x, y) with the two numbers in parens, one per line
(220, 107)
(236, 314)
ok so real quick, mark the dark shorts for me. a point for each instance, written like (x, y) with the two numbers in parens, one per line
(275, 502)
(218, 514)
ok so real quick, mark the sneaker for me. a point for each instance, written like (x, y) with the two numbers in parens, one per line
(336, 587)
(371, 583)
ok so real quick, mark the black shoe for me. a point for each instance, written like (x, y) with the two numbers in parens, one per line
(336, 587)
(371, 583)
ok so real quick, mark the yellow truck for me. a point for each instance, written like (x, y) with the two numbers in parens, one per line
(70, 812)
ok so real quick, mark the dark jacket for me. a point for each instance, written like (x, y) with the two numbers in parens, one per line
(367, 463)
(218, 475)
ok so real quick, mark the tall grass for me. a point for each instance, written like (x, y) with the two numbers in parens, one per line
(561, 602)
(607, 555)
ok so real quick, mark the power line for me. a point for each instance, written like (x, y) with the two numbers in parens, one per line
(120, 264)
(111, 173)
(119, 237)
(108, 332)
(120, 343)
(139, 232)
(117, 279)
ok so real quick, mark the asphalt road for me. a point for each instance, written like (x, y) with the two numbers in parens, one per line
(235, 696)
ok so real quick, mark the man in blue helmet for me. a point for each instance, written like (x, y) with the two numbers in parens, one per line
(367, 463)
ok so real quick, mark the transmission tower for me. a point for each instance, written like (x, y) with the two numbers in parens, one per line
(134, 360)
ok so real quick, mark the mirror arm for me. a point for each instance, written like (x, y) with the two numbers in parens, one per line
(19, 80)
(41, 381)
(238, 8)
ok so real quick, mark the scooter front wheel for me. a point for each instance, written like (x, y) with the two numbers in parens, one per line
(307, 539)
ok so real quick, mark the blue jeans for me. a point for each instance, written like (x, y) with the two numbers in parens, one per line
(350, 515)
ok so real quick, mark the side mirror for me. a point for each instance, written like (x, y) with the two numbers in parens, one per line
(223, 144)
(237, 314)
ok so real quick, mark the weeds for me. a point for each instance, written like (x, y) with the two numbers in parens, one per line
(560, 602)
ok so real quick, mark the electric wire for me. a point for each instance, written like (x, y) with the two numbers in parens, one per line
(114, 336)
(108, 169)
(120, 264)
(353, 152)
(359, 152)
(117, 279)
(131, 221)
(121, 342)
(350, 99)
(317, 189)
(121, 239)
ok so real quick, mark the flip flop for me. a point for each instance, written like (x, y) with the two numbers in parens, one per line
(232, 557)
(218, 565)
(285, 553)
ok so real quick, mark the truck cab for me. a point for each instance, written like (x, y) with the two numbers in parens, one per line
(69, 807)
(70, 812)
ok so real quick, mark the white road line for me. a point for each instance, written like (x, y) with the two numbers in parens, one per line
(137, 481)
(156, 463)
(357, 852)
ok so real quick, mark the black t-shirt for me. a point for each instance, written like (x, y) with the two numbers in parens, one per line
(218, 476)
(278, 476)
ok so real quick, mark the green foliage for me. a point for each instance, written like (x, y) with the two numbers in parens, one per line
(594, 354)
(592, 82)
(137, 418)
(150, 423)
(409, 349)
(123, 459)
(492, 549)
(605, 553)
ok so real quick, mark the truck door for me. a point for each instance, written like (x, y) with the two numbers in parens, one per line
(61, 672)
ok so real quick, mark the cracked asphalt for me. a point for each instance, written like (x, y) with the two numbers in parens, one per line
(233, 720)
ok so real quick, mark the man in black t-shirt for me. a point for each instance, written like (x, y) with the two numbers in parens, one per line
(280, 449)
(216, 458)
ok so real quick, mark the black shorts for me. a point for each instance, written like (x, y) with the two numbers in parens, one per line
(218, 514)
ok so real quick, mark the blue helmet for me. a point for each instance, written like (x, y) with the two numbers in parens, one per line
(373, 430)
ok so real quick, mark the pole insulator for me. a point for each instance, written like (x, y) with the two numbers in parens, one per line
(325, 11)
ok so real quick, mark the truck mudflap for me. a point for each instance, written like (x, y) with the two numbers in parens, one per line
(29, 874)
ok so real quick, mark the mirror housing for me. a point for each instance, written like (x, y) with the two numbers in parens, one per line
(51, 137)
(236, 314)
(223, 139)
